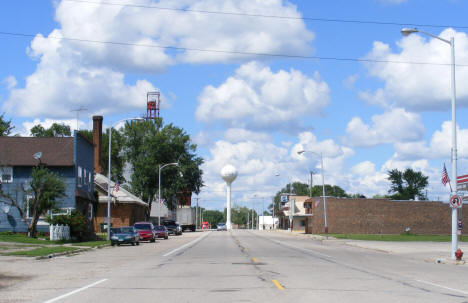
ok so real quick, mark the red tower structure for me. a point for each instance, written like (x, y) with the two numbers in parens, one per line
(152, 105)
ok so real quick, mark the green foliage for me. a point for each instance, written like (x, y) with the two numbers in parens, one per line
(407, 185)
(5, 126)
(56, 130)
(117, 157)
(213, 217)
(75, 220)
(148, 146)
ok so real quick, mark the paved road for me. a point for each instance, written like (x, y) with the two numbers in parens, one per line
(237, 266)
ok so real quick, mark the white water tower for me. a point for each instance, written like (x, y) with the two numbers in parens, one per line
(229, 174)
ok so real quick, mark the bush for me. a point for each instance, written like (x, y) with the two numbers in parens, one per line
(75, 220)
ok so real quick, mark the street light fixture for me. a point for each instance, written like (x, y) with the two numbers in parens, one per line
(109, 172)
(323, 189)
(159, 179)
(451, 42)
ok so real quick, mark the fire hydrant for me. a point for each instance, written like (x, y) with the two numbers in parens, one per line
(459, 254)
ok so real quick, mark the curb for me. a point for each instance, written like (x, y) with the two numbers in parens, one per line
(62, 253)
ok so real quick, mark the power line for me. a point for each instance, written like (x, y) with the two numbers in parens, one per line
(244, 53)
(187, 10)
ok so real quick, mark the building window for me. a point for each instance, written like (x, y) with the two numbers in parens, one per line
(302, 223)
(80, 176)
(6, 174)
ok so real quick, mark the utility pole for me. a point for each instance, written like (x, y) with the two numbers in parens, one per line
(196, 215)
(311, 183)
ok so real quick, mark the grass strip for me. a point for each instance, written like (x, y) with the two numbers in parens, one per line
(42, 251)
(19, 238)
(398, 238)
(92, 243)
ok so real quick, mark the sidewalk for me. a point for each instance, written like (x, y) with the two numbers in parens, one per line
(432, 252)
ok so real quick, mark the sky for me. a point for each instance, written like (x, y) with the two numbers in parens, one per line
(252, 83)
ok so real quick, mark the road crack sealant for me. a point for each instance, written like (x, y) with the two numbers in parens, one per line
(398, 279)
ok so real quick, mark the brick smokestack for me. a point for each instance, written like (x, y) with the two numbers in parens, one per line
(97, 141)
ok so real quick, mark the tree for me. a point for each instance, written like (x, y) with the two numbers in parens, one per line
(117, 156)
(56, 130)
(46, 188)
(213, 217)
(5, 126)
(147, 146)
(407, 185)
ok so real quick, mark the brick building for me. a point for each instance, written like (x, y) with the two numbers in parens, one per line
(379, 216)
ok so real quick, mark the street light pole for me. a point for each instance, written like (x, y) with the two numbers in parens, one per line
(451, 42)
(159, 190)
(109, 173)
(323, 190)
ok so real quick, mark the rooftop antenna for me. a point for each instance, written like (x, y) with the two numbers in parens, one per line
(78, 110)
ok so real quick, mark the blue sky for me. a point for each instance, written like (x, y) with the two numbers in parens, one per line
(254, 112)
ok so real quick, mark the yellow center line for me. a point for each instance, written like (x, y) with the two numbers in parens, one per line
(278, 285)
(254, 260)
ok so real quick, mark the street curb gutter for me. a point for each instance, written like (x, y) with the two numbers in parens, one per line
(72, 252)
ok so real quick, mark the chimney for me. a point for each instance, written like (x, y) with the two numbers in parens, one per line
(97, 141)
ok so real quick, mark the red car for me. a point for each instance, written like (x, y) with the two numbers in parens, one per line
(161, 231)
(145, 231)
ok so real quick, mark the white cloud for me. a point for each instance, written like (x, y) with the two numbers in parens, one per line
(350, 81)
(10, 82)
(74, 72)
(235, 135)
(419, 86)
(439, 146)
(257, 98)
(393, 126)
(182, 29)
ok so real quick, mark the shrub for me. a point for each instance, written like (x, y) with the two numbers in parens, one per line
(75, 220)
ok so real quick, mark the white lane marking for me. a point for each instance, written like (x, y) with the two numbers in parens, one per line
(441, 286)
(75, 291)
(187, 244)
(300, 248)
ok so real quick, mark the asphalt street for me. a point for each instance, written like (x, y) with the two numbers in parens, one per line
(234, 266)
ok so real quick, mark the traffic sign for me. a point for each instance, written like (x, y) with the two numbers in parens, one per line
(455, 201)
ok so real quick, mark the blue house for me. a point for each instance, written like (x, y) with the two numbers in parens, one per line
(72, 158)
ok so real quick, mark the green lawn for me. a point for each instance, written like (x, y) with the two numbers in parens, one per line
(42, 251)
(20, 238)
(402, 238)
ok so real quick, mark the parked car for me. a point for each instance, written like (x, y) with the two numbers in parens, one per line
(161, 231)
(125, 235)
(146, 231)
(173, 227)
(221, 226)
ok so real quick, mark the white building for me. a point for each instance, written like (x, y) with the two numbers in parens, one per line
(266, 222)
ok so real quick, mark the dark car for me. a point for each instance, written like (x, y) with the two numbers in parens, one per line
(161, 231)
(146, 231)
(172, 227)
(125, 235)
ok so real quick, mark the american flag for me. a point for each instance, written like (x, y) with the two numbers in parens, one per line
(445, 177)
(116, 187)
